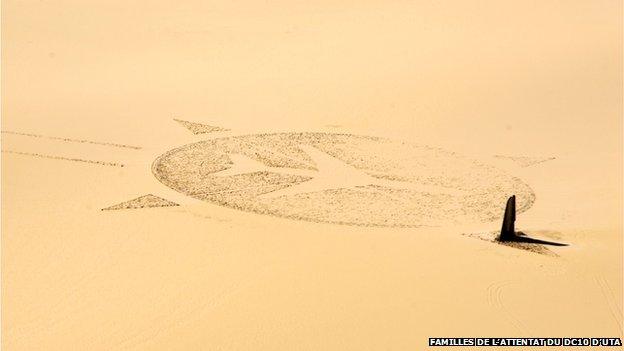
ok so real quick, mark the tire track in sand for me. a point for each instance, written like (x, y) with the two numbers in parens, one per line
(495, 299)
(609, 296)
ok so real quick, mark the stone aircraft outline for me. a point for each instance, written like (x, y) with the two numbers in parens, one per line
(330, 173)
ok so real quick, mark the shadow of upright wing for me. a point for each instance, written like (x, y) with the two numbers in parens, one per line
(526, 239)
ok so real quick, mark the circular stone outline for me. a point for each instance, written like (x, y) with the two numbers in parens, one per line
(525, 193)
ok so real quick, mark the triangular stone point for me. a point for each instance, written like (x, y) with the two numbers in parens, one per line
(198, 128)
(144, 201)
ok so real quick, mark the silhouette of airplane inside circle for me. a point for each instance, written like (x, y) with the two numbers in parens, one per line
(331, 173)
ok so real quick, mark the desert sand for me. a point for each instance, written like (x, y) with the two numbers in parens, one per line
(494, 97)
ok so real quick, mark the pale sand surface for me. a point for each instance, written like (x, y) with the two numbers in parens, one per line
(527, 81)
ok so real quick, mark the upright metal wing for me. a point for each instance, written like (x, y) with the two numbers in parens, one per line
(508, 231)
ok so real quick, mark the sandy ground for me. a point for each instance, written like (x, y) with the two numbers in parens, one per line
(540, 82)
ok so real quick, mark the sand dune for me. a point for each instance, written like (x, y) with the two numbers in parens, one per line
(389, 134)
